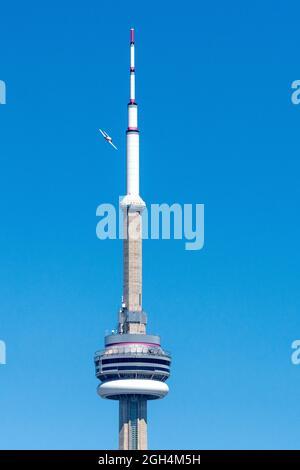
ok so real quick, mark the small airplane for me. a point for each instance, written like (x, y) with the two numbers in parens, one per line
(107, 138)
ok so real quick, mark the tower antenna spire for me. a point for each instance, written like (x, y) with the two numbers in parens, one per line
(132, 67)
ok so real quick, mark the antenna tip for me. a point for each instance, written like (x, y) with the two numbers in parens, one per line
(132, 35)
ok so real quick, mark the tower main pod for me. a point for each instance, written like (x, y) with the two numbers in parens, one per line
(133, 367)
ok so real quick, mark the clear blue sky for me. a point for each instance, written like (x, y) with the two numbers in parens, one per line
(217, 127)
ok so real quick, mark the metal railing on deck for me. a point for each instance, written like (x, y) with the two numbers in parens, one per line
(132, 351)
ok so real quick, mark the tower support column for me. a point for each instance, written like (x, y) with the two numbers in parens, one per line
(132, 267)
(132, 423)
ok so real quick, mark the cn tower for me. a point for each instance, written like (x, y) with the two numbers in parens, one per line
(133, 367)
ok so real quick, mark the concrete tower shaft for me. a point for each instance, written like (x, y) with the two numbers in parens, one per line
(132, 261)
(132, 423)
